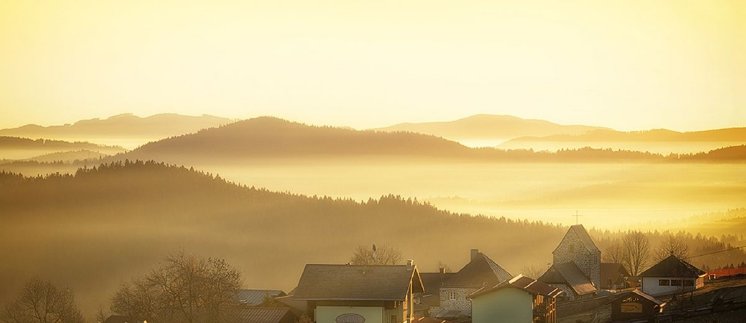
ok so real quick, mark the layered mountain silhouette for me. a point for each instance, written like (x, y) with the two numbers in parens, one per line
(657, 140)
(491, 127)
(273, 138)
(14, 148)
(69, 156)
(121, 127)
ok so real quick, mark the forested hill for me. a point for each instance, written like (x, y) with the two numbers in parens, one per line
(102, 226)
(276, 138)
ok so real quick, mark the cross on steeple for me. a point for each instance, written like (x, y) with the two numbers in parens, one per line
(577, 216)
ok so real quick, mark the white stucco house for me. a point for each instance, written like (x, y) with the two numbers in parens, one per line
(670, 276)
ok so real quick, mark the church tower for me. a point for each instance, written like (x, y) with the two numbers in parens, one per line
(578, 247)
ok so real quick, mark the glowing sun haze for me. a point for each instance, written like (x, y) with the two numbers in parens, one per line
(623, 64)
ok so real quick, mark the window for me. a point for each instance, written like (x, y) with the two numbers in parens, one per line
(664, 282)
(689, 283)
(452, 295)
(675, 282)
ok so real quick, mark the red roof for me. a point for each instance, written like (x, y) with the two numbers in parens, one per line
(725, 272)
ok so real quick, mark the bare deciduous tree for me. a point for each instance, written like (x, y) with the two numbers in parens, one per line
(41, 301)
(184, 288)
(672, 245)
(383, 255)
(636, 248)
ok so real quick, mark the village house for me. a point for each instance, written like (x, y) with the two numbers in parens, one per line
(521, 299)
(576, 265)
(430, 298)
(671, 275)
(359, 293)
(454, 291)
(613, 276)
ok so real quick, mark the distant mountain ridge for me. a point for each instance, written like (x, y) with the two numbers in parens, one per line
(121, 126)
(8, 142)
(656, 135)
(488, 126)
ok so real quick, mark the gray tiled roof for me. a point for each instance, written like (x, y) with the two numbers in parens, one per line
(258, 314)
(530, 285)
(255, 297)
(479, 272)
(673, 267)
(352, 282)
(569, 274)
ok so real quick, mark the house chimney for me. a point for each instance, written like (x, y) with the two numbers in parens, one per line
(442, 270)
(410, 263)
(474, 253)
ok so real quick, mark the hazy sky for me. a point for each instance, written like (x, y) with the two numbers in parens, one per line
(625, 64)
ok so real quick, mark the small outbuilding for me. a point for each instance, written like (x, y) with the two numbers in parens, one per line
(634, 305)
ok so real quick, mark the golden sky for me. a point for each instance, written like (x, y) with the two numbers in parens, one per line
(625, 64)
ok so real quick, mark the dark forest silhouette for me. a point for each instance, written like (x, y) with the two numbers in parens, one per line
(123, 125)
(103, 225)
(48, 144)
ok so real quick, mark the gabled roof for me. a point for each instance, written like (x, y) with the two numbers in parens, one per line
(258, 314)
(527, 284)
(479, 272)
(612, 271)
(433, 281)
(353, 282)
(254, 297)
(568, 274)
(579, 231)
(673, 267)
